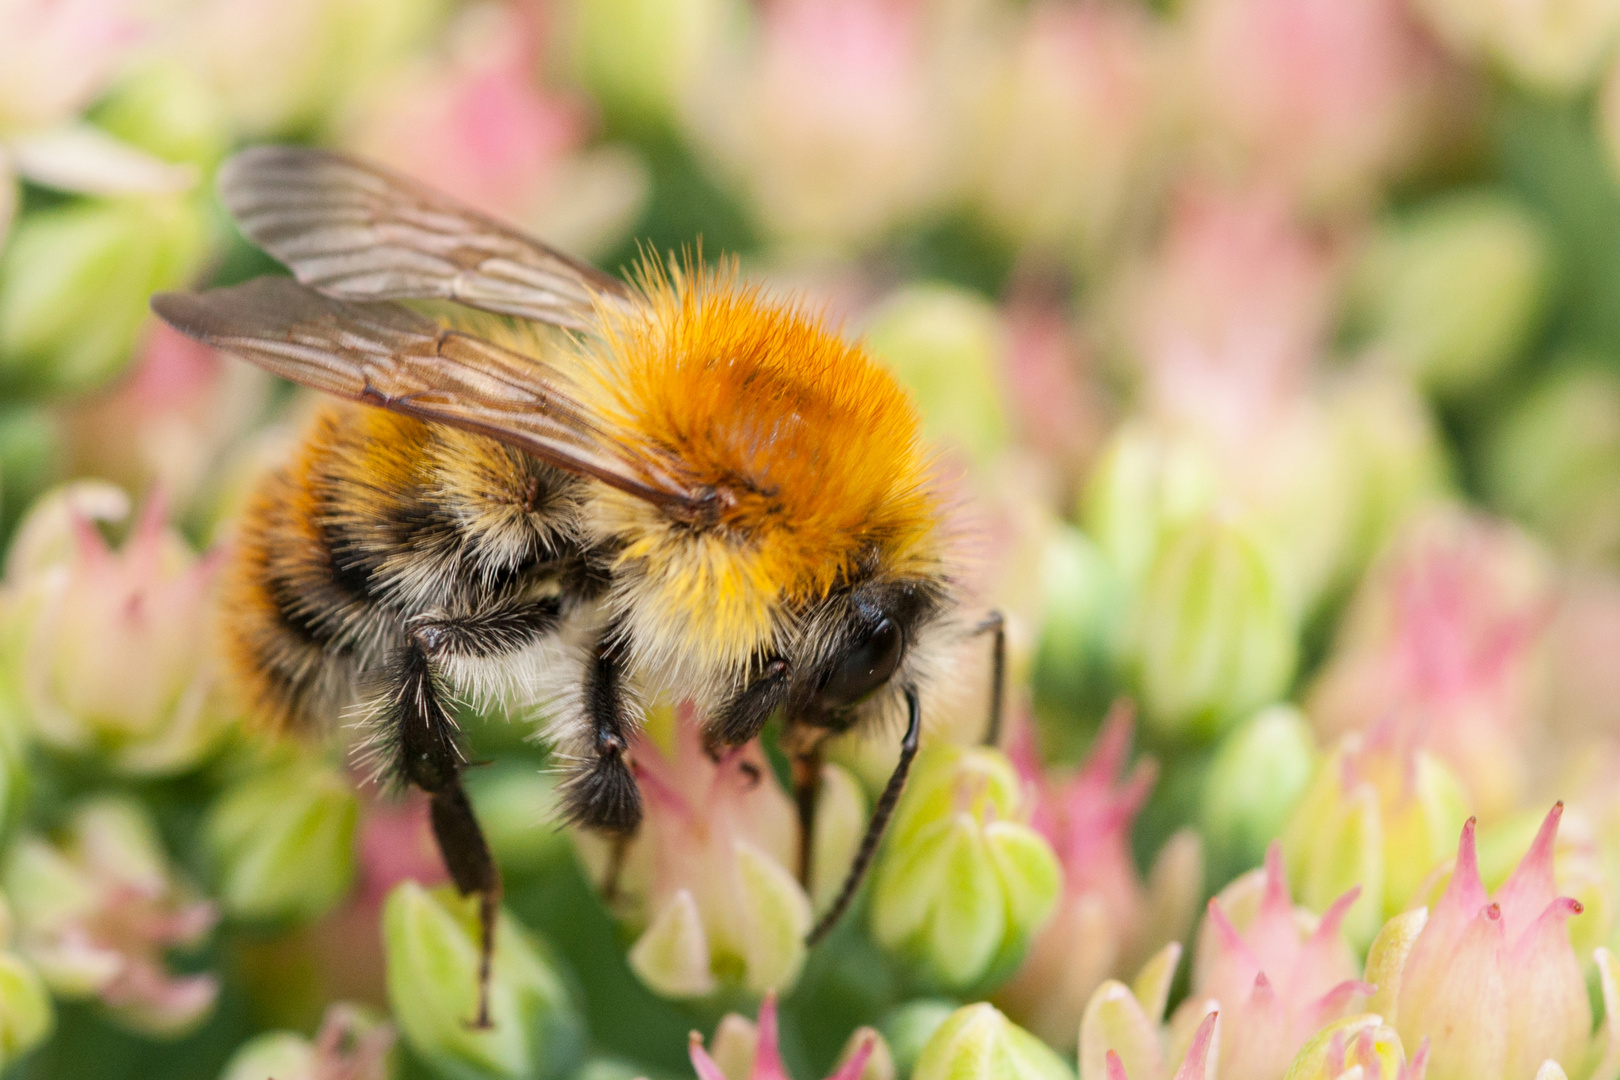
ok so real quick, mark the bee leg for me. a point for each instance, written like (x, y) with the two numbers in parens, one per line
(602, 792)
(995, 623)
(881, 813)
(806, 787)
(430, 758)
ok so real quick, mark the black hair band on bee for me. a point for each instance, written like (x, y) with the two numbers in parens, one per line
(879, 822)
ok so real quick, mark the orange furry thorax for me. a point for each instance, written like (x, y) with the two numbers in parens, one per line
(812, 450)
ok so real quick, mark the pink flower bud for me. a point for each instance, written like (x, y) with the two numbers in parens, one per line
(1443, 643)
(1491, 982)
(765, 1061)
(706, 877)
(1278, 973)
(1107, 922)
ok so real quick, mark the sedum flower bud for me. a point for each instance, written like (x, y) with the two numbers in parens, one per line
(978, 1043)
(1258, 774)
(1080, 629)
(74, 281)
(351, 1045)
(1149, 484)
(1378, 814)
(1122, 1028)
(97, 912)
(1549, 47)
(637, 57)
(1212, 638)
(1277, 972)
(109, 651)
(705, 883)
(1443, 643)
(1555, 461)
(1362, 1042)
(907, 1030)
(1392, 452)
(431, 941)
(1108, 920)
(1454, 291)
(945, 344)
(1491, 982)
(282, 841)
(1068, 128)
(962, 883)
(26, 1012)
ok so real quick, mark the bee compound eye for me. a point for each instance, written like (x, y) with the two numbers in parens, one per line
(867, 665)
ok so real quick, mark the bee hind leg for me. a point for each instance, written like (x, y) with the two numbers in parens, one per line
(430, 758)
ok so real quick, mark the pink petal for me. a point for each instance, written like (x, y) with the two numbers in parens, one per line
(701, 1061)
(767, 1056)
(1419, 1064)
(856, 1064)
(1231, 941)
(1195, 1065)
(1113, 742)
(1531, 887)
(1116, 1068)
(1464, 895)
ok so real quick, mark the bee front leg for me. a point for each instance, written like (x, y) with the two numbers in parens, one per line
(806, 790)
(601, 793)
(430, 758)
(995, 623)
(879, 822)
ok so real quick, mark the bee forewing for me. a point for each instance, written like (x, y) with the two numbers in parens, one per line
(386, 355)
(358, 232)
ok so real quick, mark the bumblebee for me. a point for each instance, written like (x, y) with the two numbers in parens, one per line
(682, 488)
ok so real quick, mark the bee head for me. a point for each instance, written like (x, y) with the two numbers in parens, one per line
(853, 649)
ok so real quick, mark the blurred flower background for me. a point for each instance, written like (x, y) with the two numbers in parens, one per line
(1274, 349)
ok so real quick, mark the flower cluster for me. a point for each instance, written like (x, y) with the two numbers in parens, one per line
(1266, 354)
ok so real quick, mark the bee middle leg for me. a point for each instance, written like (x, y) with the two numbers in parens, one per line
(806, 791)
(602, 793)
(431, 759)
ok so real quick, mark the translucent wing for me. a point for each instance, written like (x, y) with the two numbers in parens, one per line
(360, 232)
(387, 355)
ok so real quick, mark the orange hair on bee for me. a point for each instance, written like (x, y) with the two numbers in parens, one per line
(815, 449)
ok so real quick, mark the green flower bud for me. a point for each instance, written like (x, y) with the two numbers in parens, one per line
(1389, 445)
(1454, 291)
(1555, 461)
(1257, 776)
(74, 282)
(166, 110)
(275, 1055)
(282, 841)
(908, 1029)
(1148, 485)
(431, 938)
(945, 344)
(978, 1043)
(1080, 631)
(1376, 816)
(1212, 638)
(26, 1012)
(962, 883)
(637, 57)
(352, 1045)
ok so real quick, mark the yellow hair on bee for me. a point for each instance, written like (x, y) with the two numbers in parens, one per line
(812, 449)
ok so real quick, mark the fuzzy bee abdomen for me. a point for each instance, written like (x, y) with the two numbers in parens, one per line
(378, 522)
